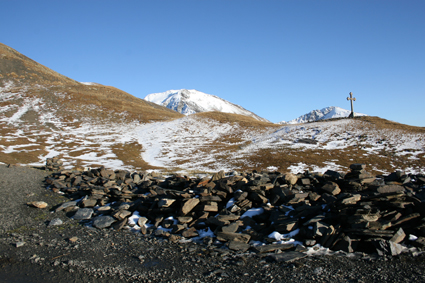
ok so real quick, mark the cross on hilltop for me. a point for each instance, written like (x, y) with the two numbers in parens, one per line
(352, 99)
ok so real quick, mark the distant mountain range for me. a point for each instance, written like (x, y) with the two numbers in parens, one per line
(323, 114)
(190, 101)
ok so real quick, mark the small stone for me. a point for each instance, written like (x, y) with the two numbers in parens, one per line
(73, 239)
(351, 200)
(188, 205)
(120, 224)
(55, 222)
(190, 233)
(121, 214)
(142, 221)
(89, 202)
(398, 236)
(19, 244)
(291, 179)
(83, 214)
(332, 188)
(384, 247)
(103, 221)
(184, 219)
(165, 202)
(232, 228)
(390, 189)
(38, 204)
(273, 247)
(226, 236)
(65, 205)
(238, 246)
(357, 166)
(287, 256)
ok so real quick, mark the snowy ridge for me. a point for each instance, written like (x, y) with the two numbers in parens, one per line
(190, 101)
(323, 114)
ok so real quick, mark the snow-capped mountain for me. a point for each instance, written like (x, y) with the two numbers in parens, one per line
(190, 101)
(323, 114)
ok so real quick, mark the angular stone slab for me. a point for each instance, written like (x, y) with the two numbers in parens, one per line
(398, 236)
(238, 246)
(352, 200)
(332, 188)
(357, 166)
(83, 214)
(227, 236)
(103, 221)
(188, 205)
(390, 189)
(166, 202)
(66, 205)
(384, 247)
(291, 179)
(232, 227)
(287, 256)
(273, 247)
(189, 233)
(89, 202)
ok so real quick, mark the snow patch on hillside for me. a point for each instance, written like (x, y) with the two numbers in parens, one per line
(190, 143)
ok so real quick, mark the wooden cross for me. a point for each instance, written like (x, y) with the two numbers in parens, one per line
(352, 99)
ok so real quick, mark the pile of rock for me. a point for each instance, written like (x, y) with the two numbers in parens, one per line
(350, 212)
(54, 164)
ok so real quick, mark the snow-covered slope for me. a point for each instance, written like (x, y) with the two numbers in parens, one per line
(323, 114)
(190, 101)
(44, 114)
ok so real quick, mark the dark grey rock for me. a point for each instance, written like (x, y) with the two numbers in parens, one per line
(66, 205)
(238, 246)
(103, 221)
(384, 247)
(289, 256)
(83, 214)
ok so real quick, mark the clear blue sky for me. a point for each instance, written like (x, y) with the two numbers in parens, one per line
(277, 58)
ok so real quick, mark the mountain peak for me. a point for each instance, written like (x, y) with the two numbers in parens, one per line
(322, 114)
(191, 101)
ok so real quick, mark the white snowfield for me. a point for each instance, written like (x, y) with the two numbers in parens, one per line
(188, 144)
(190, 101)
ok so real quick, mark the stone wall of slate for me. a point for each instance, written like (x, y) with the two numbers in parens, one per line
(352, 212)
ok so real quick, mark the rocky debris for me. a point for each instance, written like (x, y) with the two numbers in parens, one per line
(54, 164)
(353, 212)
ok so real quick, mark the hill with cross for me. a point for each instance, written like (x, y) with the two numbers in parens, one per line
(45, 114)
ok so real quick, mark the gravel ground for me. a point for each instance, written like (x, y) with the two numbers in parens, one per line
(33, 252)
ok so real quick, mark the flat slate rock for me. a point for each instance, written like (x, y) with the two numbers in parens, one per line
(390, 189)
(273, 247)
(227, 236)
(287, 256)
(66, 205)
(239, 246)
(103, 221)
(83, 213)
